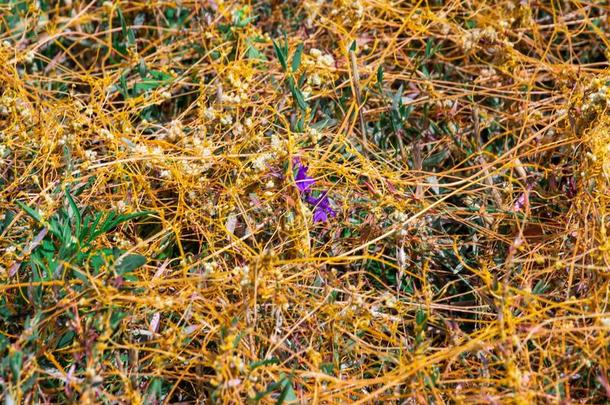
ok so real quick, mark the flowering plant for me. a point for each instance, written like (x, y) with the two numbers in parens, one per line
(322, 207)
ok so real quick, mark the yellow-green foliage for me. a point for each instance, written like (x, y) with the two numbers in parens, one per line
(156, 247)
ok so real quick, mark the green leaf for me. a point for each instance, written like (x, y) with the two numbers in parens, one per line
(244, 22)
(285, 45)
(101, 258)
(127, 32)
(129, 263)
(253, 53)
(541, 287)
(397, 99)
(66, 234)
(302, 80)
(154, 390)
(288, 395)
(380, 75)
(142, 69)
(130, 277)
(15, 363)
(65, 339)
(4, 342)
(324, 123)
(297, 95)
(81, 276)
(74, 213)
(91, 227)
(270, 388)
(30, 211)
(279, 52)
(264, 362)
(116, 318)
(420, 317)
(146, 85)
(327, 368)
(429, 48)
(436, 159)
(123, 82)
(8, 218)
(296, 58)
(110, 221)
(299, 98)
(425, 71)
(158, 75)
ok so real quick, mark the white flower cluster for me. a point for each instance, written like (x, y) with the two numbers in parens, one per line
(277, 144)
(4, 151)
(349, 11)
(231, 98)
(209, 113)
(120, 206)
(66, 139)
(399, 217)
(315, 80)
(314, 135)
(10, 102)
(243, 272)
(209, 268)
(155, 153)
(599, 95)
(90, 154)
(260, 163)
(278, 148)
(175, 131)
(472, 37)
(226, 119)
(322, 59)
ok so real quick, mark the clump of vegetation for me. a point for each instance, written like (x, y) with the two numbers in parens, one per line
(304, 201)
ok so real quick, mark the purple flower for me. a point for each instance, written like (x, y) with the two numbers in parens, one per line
(322, 209)
(319, 215)
(302, 180)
